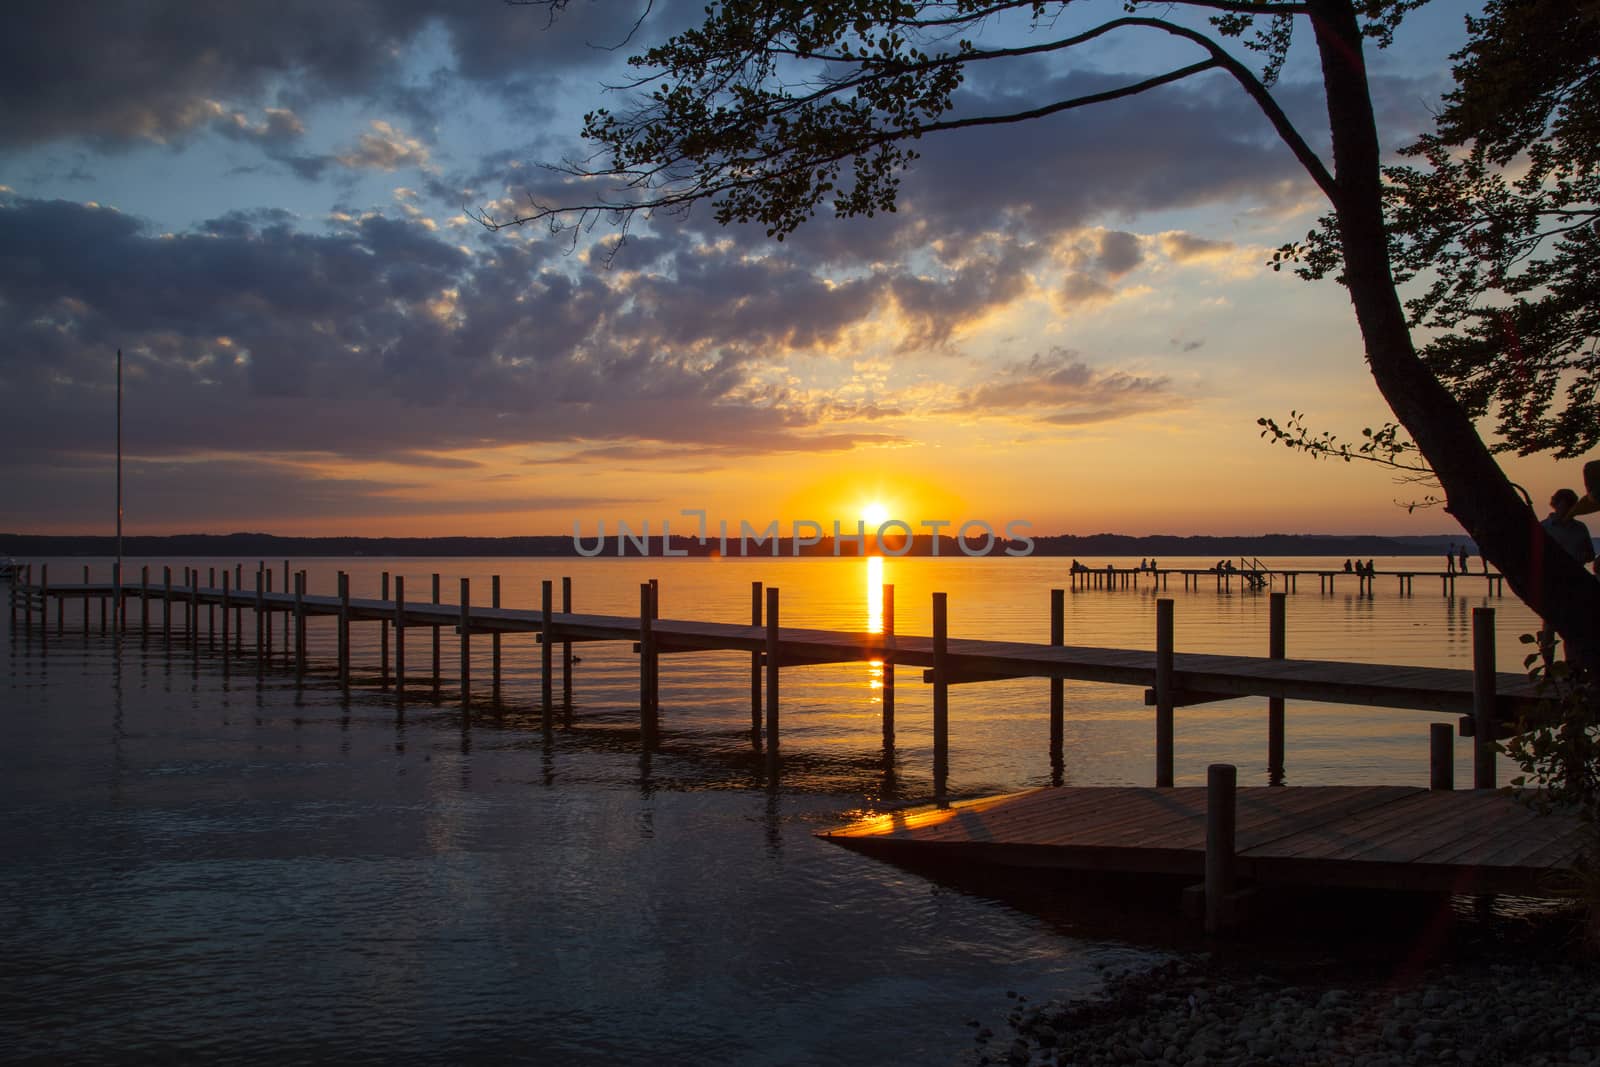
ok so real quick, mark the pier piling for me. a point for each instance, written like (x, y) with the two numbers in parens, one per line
(941, 691)
(1483, 698)
(888, 665)
(1441, 756)
(494, 643)
(1164, 693)
(547, 649)
(755, 668)
(383, 636)
(1058, 637)
(1275, 725)
(1222, 782)
(400, 636)
(774, 659)
(466, 644)
(648, 724)
(344, 631)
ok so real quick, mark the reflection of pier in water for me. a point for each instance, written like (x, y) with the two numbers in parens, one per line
(1484, 700)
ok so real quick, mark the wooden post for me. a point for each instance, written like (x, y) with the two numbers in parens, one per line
(286, 589)
(261, 607)
(1441, 756)
(494, 642)
(655, 660)
(1275, 724)
(888, 666)
(1058, 637)
(400, 636)
(547, 648)
(264, 620)
(755, 667)
(61, 613)
(566, 647)
(44, 601)
(299, 628)
(86, 600)
(383, 636)
(774, 660)
(1164, 694)
(647, 711)
(436, 628)
(194, 612)
(344, 631)
(166, 604)
(1222, 781)
(226, 603)
(211, 612)
(941, 691)
(1483, 698)
(466, 643)
(144, 599)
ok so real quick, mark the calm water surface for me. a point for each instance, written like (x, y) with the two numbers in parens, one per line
(199, 863)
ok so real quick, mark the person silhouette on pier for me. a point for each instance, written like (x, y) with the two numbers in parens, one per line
(1450, 560)
(1348, 568)
(1465, 555)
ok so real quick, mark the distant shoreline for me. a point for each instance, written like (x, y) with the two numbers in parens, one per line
(260, 545)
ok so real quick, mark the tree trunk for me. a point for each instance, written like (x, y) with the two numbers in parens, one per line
(1478, 494)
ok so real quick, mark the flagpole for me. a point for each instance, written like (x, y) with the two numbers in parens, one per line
(117, 615)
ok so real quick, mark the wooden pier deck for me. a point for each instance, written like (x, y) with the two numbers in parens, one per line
(1196, 677)
(1377, 837)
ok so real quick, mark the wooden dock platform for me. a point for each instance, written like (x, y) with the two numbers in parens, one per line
(1377, 837)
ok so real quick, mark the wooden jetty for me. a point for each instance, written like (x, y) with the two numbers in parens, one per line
(1484, 700)
(1264, 579)
(1369, 837)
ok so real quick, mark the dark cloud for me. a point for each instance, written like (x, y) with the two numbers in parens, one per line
(157, 70)
(382, 337)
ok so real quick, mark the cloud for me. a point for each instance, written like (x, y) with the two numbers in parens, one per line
(1060, 388)
(1183, 247)
(380, 338)
(384, 148)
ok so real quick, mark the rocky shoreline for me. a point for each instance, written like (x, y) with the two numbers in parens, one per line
(1529, 1010)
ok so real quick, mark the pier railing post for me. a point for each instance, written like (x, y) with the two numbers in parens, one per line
(566, 647)
(1441, 756)
(286, 588)
(238, 608)
(755, 668)
(1164, 694)
(400, 637)
(466, 643)
(227, 600)
(941, 692)
(261, 617)
(144, 599)
(888, 665)
(547, 650)
(1276, 649)
(383, 635)
(299, 628)
(1483, 698)
(166, 603)
(774, 660)
(86, 597)
(1222, 780)
(436, 628)
(344, 631)
(211, 609)
(494, 642)
(647, 650)
(1058, 637)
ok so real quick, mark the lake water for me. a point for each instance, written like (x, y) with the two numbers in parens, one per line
(201, 863)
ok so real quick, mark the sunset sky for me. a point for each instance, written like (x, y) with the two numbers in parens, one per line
(1068, 322)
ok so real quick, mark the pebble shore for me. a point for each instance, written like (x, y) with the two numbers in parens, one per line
(1529, 1011)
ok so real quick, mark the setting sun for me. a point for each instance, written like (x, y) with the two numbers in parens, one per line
(875, 514)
